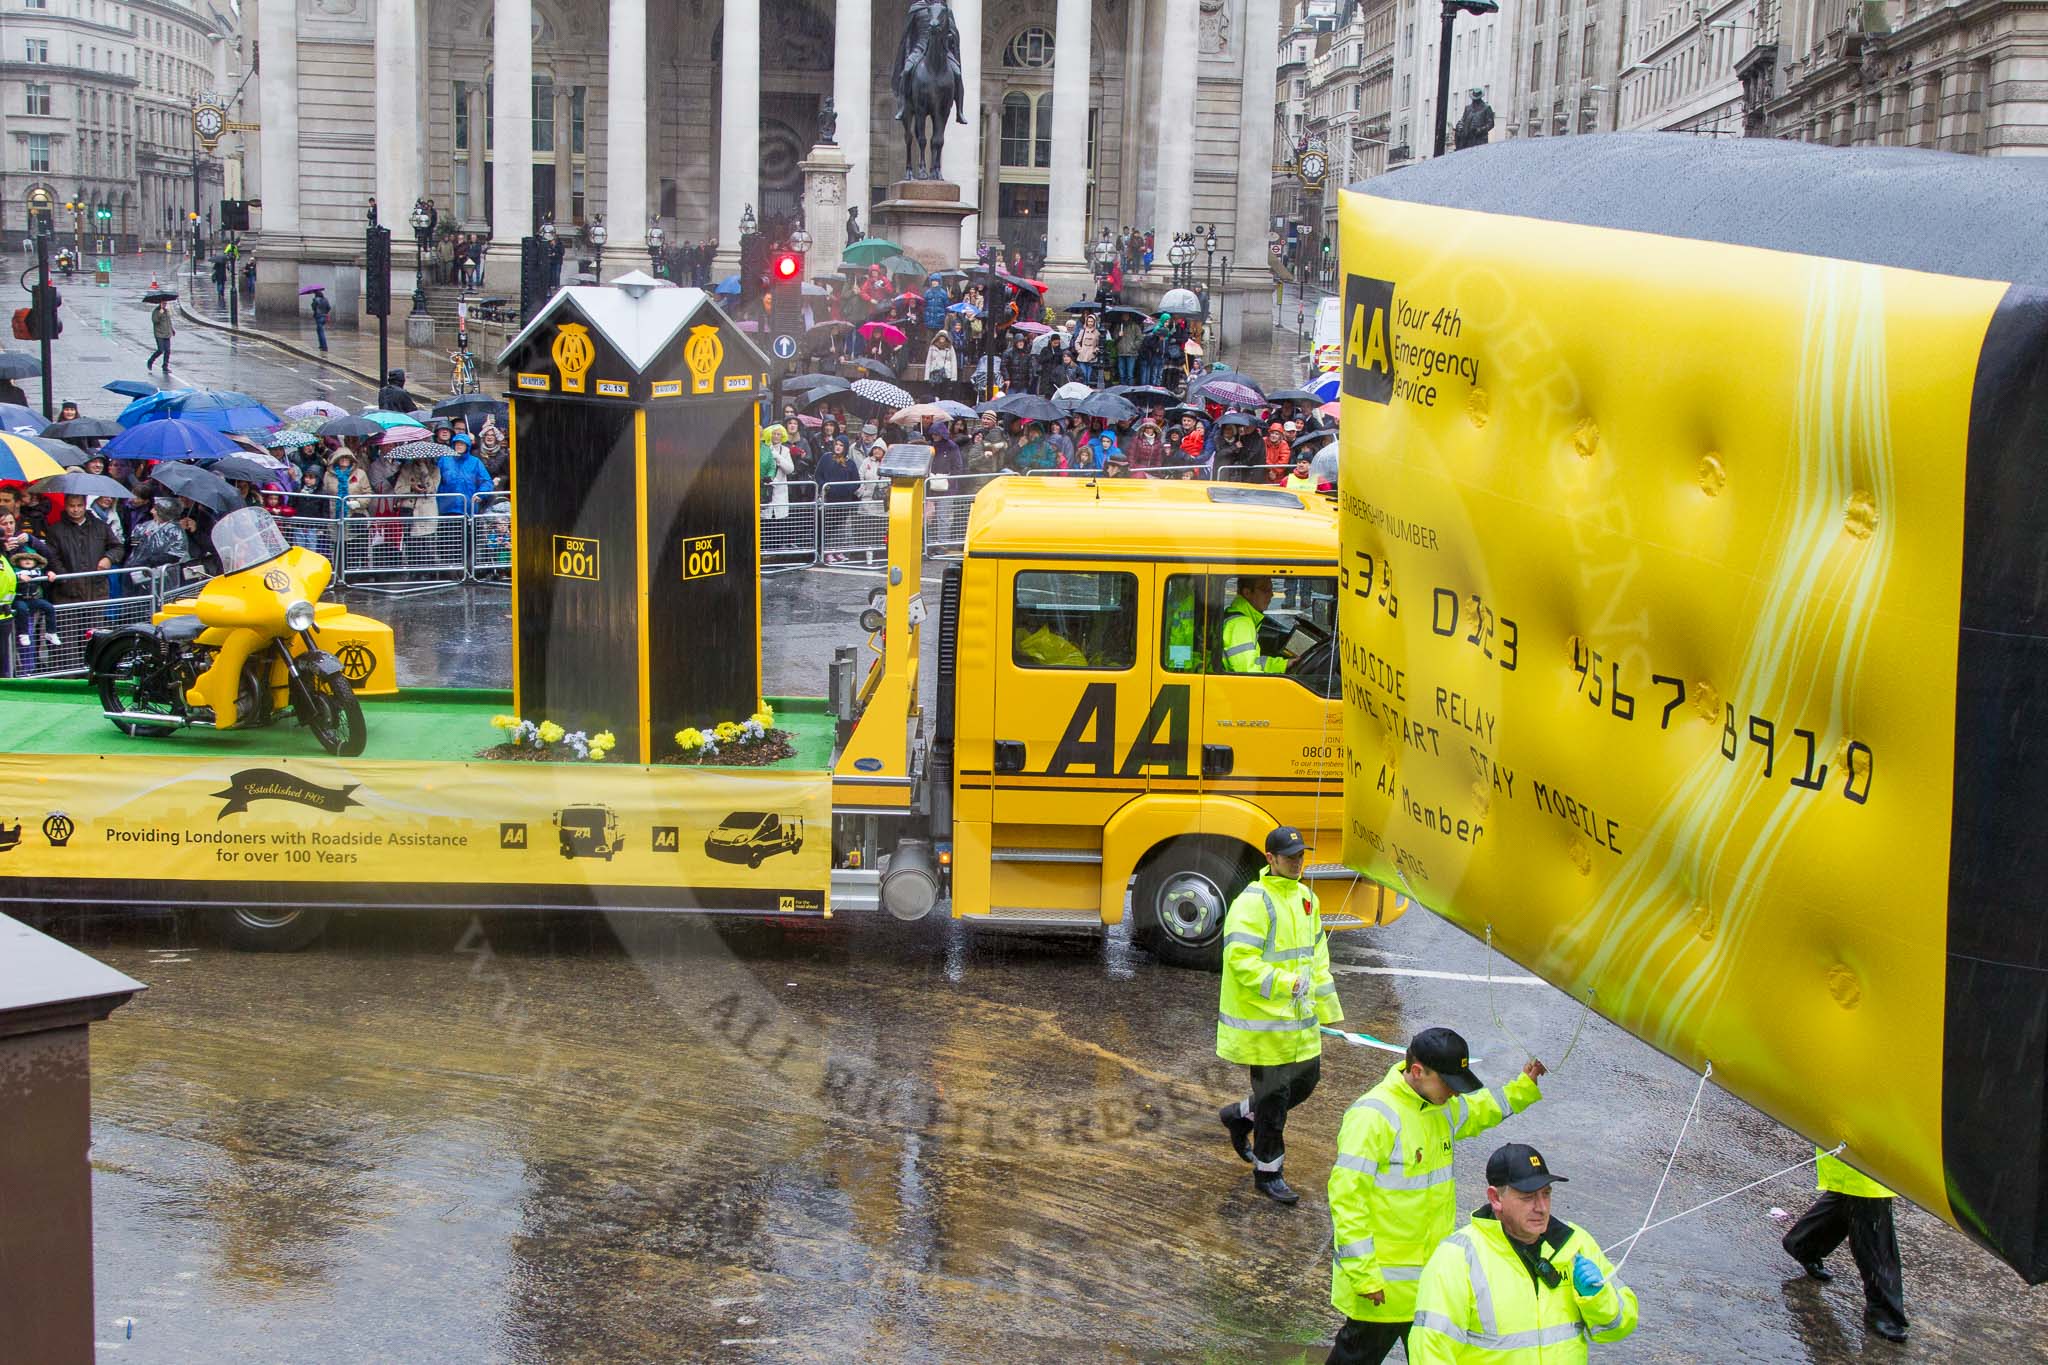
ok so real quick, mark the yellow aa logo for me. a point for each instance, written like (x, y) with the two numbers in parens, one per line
(573, 352)
(702, 353)
(1368, 338)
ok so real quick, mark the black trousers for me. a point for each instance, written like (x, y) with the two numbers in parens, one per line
(1873, 1241)
(1367, 1343)
(1275, 1090)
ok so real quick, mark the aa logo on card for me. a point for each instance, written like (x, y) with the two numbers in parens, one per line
(1369, 338)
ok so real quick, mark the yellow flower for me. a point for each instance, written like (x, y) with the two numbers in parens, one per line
(726, 731)
(690, 740)
(604, 739)
(504, 722)
(550, 732)
(765, 717)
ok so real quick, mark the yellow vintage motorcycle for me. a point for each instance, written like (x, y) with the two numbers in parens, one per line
(239, 654)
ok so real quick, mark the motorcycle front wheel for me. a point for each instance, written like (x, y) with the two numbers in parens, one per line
(327, 705)
(130, 682)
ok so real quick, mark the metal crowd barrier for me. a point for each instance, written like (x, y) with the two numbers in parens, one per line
(948, 500)
(52, 644)
(789, 527)
(853, 524)
(490, 538)
(404, 545)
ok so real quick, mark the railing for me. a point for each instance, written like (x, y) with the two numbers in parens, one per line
(46, 638)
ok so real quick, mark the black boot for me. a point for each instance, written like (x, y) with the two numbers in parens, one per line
(1816, 1271)
(1240, 1129)
(1884, 1327)
(1274, 1188)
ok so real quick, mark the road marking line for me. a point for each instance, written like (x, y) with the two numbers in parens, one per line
(1441, 976)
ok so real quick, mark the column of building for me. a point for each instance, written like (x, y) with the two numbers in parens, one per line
(1174, 200)
(1261, 47)
(625, 136)
(512, 137)
(399, 180)
(1066, 229)
(962, 164)
(739, 126)
(853, 34)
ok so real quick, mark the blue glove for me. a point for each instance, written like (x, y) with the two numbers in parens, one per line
(1586, 1277)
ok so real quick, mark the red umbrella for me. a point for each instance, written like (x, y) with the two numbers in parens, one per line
(907, 297)
(892, 335)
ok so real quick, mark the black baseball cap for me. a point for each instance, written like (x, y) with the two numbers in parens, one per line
(1285, 842)
(1445, 1053)
(1519, 1166)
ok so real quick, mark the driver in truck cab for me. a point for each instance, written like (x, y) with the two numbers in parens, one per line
(1241, 622)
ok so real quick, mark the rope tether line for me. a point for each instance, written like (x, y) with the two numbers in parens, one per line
(1501, 1025)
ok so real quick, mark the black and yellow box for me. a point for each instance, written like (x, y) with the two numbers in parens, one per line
(635, 500)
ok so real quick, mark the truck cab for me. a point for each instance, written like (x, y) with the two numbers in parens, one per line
(1096, 740)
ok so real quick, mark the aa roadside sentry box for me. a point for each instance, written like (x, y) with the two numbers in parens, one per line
(635, 501)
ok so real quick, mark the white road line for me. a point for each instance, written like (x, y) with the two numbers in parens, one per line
(1441, 976)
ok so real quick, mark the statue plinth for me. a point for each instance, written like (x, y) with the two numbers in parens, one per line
(825, 190)
(923, 216)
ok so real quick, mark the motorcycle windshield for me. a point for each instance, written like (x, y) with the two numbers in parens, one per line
(245, 538)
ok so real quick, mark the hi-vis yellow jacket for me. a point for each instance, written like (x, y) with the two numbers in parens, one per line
(1479, 1303)
(1271, 935)
(1392, 1198)
(1833, 1173)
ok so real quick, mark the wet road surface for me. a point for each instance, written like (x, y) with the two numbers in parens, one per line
(624, 1138)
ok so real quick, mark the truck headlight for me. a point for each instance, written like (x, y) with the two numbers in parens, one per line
(299, 615)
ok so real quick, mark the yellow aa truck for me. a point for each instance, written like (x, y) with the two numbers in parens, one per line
(1089, 737)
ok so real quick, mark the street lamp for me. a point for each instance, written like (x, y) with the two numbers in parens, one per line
(747, 220)
(1182, 255)
(654, 236)
(422, 223)
(1209, 245)
(596, 233)
(1105, 252)
(1443, 58)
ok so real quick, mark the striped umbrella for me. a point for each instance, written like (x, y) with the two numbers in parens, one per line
(21, 458)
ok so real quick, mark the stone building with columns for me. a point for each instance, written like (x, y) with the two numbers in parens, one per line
(1091, 114)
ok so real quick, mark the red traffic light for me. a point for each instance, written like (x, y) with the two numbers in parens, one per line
(786, 267)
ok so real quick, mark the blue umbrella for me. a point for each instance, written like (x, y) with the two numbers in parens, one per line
(169, 438)
(130, 388)
(221, 409)
(1327, 386)
(967, 308)
(22, 421)
(729, 285)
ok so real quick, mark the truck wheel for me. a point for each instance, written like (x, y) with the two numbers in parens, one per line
(254, 929)
(1181, 898)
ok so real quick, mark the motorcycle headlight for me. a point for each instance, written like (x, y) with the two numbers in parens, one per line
(299, 615)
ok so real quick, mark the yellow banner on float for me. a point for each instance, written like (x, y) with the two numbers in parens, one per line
(731, 838)
(1652, 570)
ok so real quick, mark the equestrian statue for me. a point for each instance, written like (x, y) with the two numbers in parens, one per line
(926, 79)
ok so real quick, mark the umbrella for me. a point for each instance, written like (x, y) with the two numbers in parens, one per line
(1312, 437)
(1328, 386)
(1109, 407)
(965, 309)
(1331, 410)
(420, 450)
(893, 335)
(827, 383)
(15, 365)
(83, 429)
(1196, 381)
(1120, 310)
(729, 285)
(1228, 391)
(1030, 407)
(471, 405)
(817, 396)
(951, 274)
(877, 398)
(129, 388)
(1181, 410)
(1072, 393)
(870, 249)
(1145, 393)
(1191, 348)
(1019, 282)
(21, 458)
(918, 412)
(1085, 306)
(171, 438)
(160, 296)
(190, 481)
(828, 328)
(221, 409)
(1050, 338)
(804, 419)
(902, 265)
(814, 291)
(246, 468)
(82, 485)
(909, 296)
(1036, 329)
(311, 289)
(1236, 419)
(388, 419)
(958, 411)
(22, 421)
(1180, 301)
(399, 436)
(290, 438)
(1294, 396)
(875, 368)
(318, 407)
(349, 426)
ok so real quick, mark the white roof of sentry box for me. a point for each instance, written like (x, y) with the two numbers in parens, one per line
(636, 313)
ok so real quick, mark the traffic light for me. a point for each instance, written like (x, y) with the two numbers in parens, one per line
(533, 275)
(234, 215)
(785, 289)
(42, 312)
(785, 268)
(377, 272)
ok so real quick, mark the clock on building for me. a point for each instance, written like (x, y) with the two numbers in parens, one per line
(209, 121)
(1315, 166)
